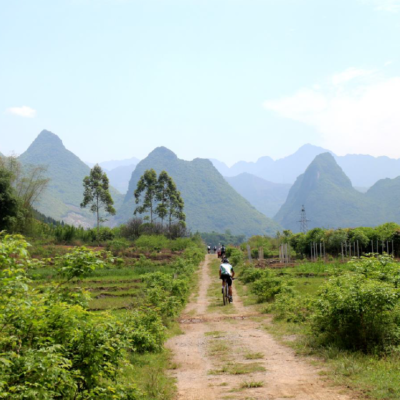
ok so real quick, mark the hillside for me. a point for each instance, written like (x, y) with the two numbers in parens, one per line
(210, 202)
(66, 171)
(386, 196)
(329, 198)
(266, 197)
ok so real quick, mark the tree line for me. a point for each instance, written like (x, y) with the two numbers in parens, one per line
(157, 198)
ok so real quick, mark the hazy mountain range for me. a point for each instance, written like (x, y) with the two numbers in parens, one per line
(110, 165)
(243, 203)
(210, 202)
(331, 201)
(118, 171)
(363, 170)
(266, 197)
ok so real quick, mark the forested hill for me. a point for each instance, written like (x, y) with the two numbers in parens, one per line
(66, 171)
(329, 198)
(211, 204)
(385, 195)
(266, 197)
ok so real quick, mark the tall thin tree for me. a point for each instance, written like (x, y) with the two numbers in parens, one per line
(96, 194)
(147, 186)
(175, 205)
(163, 183)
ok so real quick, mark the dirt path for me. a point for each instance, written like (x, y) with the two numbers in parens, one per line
(230, 356)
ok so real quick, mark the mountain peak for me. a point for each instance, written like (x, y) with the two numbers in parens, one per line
(324, 166)
(47, 138)
(163, 152)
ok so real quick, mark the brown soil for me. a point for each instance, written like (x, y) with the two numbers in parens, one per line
(212, 355)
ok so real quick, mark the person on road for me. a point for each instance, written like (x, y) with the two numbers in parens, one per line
(223, 252)
(215, 249)
(226, 273)
(208, 249)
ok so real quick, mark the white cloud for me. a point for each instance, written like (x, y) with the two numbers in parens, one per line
(350, 74)
(387, 63)
(23, 111)
(362, 118)
(384, 5)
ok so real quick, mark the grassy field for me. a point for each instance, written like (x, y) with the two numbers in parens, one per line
(371, 375)
(119, 290)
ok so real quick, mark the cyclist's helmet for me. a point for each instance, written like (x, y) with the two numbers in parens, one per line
(225, 261)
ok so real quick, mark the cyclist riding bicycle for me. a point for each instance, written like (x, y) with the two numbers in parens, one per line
(215, 249)
(223, 252)
(226, 273)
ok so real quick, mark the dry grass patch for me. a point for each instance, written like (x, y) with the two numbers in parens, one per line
(251, 384)
(253, 356)
(238, 369)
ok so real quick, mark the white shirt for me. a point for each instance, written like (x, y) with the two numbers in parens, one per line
(226, 269)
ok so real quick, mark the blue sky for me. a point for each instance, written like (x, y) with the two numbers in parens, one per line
(226, 79)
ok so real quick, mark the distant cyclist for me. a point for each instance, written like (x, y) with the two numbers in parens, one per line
(215, 249)
(226, 273)
(208, 249)
(223, 251)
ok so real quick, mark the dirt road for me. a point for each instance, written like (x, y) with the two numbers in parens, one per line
(227, 354)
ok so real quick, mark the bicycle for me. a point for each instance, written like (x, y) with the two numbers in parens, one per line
(225, 293)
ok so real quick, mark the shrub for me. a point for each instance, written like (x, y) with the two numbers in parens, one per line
(250, 274)
(152, 242)
(356, 312)
(51, 348)
(144, 331)
(267, 288)
(235, 255)
(117, 246)
(290, 306)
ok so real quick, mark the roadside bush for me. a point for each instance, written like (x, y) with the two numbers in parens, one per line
(268, 287)
(355, 312)
(117, 246)
(250, 274)
(51, 348)
(152, 242)
(181, 244)
(145, 331)
(235, 255)
(291, 306)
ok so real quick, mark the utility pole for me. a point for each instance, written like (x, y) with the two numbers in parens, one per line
(303, 220)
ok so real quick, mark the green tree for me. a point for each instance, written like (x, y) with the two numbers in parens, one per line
(175, 205)
(163, 184)
(28, 182)
(148, 185)
(97, 194)
(9, 205)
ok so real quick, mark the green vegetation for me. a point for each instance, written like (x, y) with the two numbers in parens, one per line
(20, 187)
(214, 238)
(161, 198)
(84, 324)
(348, 314)
(66, 171)
(96, 194)
(211, 204)
(367, 240)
